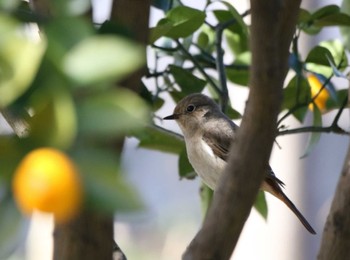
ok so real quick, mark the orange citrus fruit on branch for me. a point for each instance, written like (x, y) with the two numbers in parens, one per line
(318, 89)
(47, 180)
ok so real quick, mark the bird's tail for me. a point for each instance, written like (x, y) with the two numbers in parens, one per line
(273, 186)
(293, 208)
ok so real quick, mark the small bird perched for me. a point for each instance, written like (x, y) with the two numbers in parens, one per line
(208, 135)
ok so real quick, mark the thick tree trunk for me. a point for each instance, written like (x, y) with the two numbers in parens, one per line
(90, 236)
(335, 242)
(134, 15)
(273, 25)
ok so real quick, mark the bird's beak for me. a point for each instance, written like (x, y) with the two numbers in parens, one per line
(171, 117)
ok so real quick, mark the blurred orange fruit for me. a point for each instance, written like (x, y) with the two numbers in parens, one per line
(316, 86)
(47, 180)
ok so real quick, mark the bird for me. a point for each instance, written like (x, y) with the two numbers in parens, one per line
(208, 135)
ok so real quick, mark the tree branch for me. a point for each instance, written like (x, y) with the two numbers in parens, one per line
(220, 66)
(336, 236)
(273, 20)
(198, 66)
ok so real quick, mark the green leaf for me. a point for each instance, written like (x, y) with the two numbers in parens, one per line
(297, 97)
(237, 33)
(186, 80)
(185, 168)
(315, 136)
(318, 55)
(345, 32)
(304, 16)
(66, 8)
(336, 103)
(232, 113)
(60, 40)
(156, 138)
(260, 204)
(20, 58)
(153, 101)
(102, 58)
(318, 59)
(238, 73)
(203, 40)
(238, 18)
(206, 195)
(180, 22)
(338, 19)
(206, 39)
(9, 5)
(105, 187)
(111, 114)
(54, 122)
(329, 15)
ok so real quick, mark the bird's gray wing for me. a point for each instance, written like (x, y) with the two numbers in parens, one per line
(219, 140)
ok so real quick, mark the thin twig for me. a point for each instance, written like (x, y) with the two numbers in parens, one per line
(220, 66)
(198, 66)
(224, 98)
(315, 129)
(340, 111)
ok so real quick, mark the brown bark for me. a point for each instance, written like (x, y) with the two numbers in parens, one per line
(133, 15)
(89, 236)
(273, 25)
(335, 242)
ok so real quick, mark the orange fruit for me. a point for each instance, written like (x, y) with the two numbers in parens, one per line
(47, 180)
(322, 97)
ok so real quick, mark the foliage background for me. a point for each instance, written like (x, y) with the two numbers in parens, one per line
(173, 213)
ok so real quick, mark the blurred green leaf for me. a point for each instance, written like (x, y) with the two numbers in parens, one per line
(13, 227)
(63, 34)
(102, 58)
(345, 32)
(180, 22)
(111, 114)
(296, 97)
(315, 136)
(206, 195)
(54, 122)
(105, 187)
(329, 15)
(206, 38)
(260, 204)
(185, 168)
(156, 138)
(305, 24)
(20, 58)
(188, 82)
(12, 150)
(66, 8)
(9, 5)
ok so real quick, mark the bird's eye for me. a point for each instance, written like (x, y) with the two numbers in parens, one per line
(190, 108)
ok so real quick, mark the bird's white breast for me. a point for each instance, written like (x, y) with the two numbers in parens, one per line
(202, 158)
